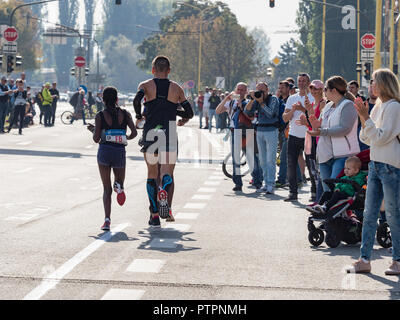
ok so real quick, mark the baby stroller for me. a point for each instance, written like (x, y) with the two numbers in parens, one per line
(343, 222)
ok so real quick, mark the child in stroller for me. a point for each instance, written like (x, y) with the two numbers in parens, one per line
(342, 191)
(340, 210)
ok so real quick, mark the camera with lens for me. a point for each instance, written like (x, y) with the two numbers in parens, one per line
(257, 94)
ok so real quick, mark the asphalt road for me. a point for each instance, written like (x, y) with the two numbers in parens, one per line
(222, 245)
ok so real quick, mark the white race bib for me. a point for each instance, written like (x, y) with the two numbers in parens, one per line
(116, 136)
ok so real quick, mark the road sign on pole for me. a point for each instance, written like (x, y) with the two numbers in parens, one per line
(10, 48)
(368, 41)
(80, 62)
(10, 34)
(367, 54)
(220, 83)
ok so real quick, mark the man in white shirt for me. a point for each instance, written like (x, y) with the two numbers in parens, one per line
(206, 105)
(295, 107)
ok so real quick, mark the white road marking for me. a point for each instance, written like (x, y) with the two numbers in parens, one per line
(194, 205)
(23, 217)
(123, 294)
(65, 158)
(89, 147)
(24, 170)
(176, 227)
(187, 216)
(201, 197)
(212, 183)
(206, 190)
(216, 178)
(146, 265)
(23, 143)
(51, 280)
(163, 243)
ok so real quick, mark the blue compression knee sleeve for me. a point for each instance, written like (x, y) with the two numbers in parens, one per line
(151, 187)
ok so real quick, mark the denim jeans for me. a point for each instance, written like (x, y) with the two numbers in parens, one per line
(330, 170)
(282, 174)
(236, 151)
(211, 115)
(383, 183)
(3, 113)
(201, 117)
(294, 149)
(267, 142)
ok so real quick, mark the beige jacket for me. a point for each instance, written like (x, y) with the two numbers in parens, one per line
(381, 132)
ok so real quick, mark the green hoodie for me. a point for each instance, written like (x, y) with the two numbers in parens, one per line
(360, 178)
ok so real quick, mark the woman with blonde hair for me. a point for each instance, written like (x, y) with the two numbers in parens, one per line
(381, 131)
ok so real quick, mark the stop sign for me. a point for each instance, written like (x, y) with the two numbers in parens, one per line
(368, 41)
(80, 62)
(10, 34)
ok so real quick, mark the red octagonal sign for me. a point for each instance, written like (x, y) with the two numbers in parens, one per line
(368, 41)
(10, 34)
(80, 62)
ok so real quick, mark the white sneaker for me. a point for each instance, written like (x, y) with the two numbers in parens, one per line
(260, 190)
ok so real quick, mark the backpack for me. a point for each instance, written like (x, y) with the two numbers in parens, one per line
(282, 124)
(74, 99)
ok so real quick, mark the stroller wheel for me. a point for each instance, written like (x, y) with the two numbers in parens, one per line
(383, 235)
(316, 237)
(331, 240)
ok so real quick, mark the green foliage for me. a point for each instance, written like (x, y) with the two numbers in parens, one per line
(341, 45)
(27, 47)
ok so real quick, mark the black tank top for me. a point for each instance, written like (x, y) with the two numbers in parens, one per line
(114, 125)
(160, 111)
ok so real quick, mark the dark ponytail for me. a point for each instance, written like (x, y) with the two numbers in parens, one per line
(110, 97)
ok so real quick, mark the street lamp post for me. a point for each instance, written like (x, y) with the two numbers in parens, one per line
(200, 37)
(25, 5)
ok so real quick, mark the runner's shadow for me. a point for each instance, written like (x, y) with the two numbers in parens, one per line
(166, 241)
(118, 237)
(395, 285)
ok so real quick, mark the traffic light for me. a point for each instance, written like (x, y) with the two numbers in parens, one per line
(271, 3)
(72, 71)
(117, 2)
(1, 61)
(367, 70)
(269, 72)
(10, 64)
(18, 61)
(86, 72)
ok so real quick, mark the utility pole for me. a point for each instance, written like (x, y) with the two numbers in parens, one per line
(392, 36)
(378, 35)
(358, 40)
(323, 41)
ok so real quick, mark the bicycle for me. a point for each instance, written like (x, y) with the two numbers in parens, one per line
(90, 114)
(227, 164)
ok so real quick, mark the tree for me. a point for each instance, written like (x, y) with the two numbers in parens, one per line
(64, 54)
(227, 49)
(290, 64)
(28, 48)
(262, 51)
(120, 57)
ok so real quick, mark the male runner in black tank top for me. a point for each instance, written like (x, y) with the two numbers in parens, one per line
(159, 141)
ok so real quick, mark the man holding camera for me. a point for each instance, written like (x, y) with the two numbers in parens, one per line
(234, 104)
(267, 127)
(294, 109)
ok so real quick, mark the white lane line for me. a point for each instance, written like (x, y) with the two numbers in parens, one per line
(187, 216)
(176, 227)
(123, 294)
(160, 243)
(65, 158)
(216, 178)
(24, 170)
(146, 265)
(23, 143)
(207, 190)
(22, 216)
(201, 197)
(194, 205)
(212, 183)
(89, 147)
(51, 281)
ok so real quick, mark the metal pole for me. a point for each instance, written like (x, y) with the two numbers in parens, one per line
(378, 35)
(358, 40)
(25, 5)
(199, 68)
(323, 42)
(392, 43)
